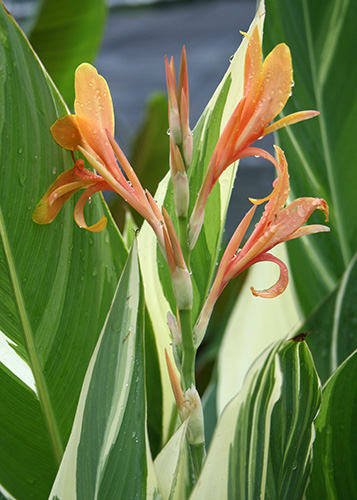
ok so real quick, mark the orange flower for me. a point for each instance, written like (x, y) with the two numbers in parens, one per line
(267, 87)
(90, 131)
(277, 224)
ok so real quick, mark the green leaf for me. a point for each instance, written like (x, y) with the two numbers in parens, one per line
(65, 34)
(262, 444)
(320, 152)
(56, 281)
(109, 434)
(333, 325)
(334, 453)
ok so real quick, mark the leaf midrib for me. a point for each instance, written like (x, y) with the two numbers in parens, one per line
(35, 364)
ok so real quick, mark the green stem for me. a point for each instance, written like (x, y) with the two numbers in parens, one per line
(188, 350)
(183, 239)
(198, 452)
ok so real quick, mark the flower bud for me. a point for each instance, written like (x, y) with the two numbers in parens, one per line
(192, 409)
(181, 194)
(182, 288)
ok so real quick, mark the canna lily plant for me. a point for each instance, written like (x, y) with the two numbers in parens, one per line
(267, 87)
(114, 339)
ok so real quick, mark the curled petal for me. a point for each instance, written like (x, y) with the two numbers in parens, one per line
(290, 120)
(78, 209)
(56, 196)
(279, 287)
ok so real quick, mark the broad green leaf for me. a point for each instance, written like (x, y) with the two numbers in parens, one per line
(333, 324)
(262, 444)
(254, 324)
(321, 152)
(156, 278)
(292, 429)
(56, 281)
(106, 454)
(334, 452)
(65, 34)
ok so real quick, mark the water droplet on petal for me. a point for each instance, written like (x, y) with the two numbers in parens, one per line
(292, 83)
(231, 58)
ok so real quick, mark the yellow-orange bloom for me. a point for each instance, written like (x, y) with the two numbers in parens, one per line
(277, 224)
(267, 87)
(91, 132)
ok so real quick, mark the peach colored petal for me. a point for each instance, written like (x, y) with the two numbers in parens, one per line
(227, 148)
(275, 83)
(66, 133)
(293, 217)
(252, 69)
(79, 207)
(306, 230)
(93, 100)
(290, 120)
(280, 286)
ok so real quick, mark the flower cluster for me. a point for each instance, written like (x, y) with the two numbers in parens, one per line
(90, 131)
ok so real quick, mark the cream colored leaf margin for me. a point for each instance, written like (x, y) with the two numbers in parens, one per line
(171, 465)
(155, 300)
(255, 323)
(65, 483)
(213, 481)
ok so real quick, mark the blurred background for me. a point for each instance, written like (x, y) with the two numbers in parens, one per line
(136, 36)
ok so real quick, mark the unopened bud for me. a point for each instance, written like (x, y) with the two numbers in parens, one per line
(192, 409)
(182, 288)
(187, 146)
(181, 194)
(195, 226)
(174, 328)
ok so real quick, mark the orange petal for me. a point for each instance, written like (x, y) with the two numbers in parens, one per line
(280, 286)
(47, 209)
(78, 209)
(293, 217)
(93, 100)
(252, 67)
(275, 84)
(94, 113)
(311, 229)
(290, 120)
(66, 132)
(175, 384)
